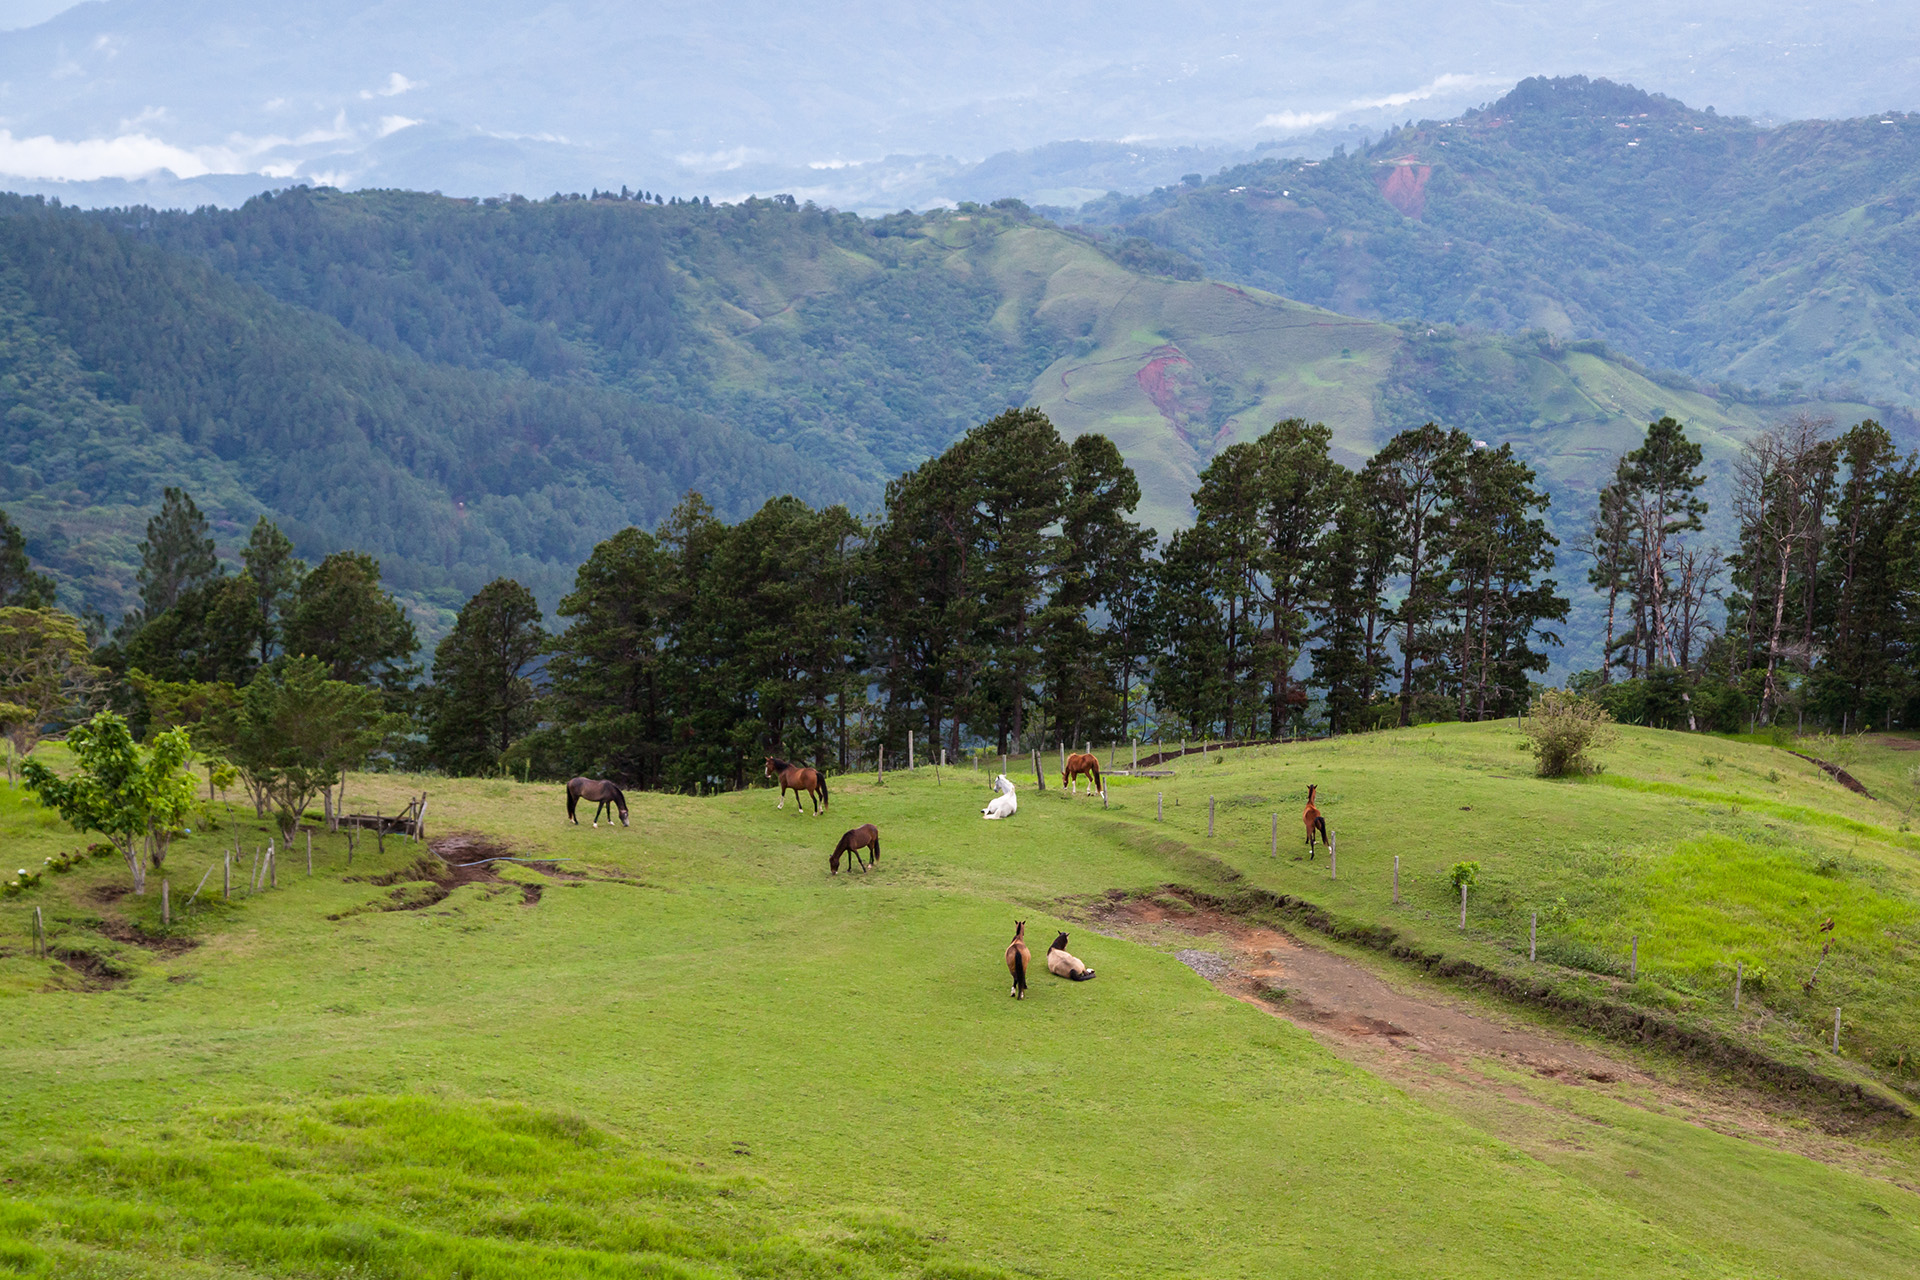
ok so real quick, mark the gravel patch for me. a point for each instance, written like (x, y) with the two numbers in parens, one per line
(1205, 963)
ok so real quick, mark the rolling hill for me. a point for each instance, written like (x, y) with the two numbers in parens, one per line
(477, 387)
(1780, 259)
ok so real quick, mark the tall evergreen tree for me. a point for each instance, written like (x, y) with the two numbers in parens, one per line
(483, 697)
(342, 615)
(1300, 490)
(1227, 531)
(1413, 480)
(177, 553)
(1868, 583)
(1497, 548)
(275, 573)
(20, 586)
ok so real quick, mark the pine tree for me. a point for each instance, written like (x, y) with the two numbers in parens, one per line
(20, 586)
(342, 615)
(275, 574)
(1414, 480)
(177, 553)
(483, 699)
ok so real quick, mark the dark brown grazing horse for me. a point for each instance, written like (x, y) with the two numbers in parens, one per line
(793, 777)
(866, 837)
(1081, 762)
(1315, 823)
(1018, 958)
(603, 793)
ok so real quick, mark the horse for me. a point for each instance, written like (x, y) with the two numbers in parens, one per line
(603, 793)
(793, 777)
(1018, 957)
(1082, 762)
(1315, 823)
(1003, 805)
(1062, 963)
(866, 837)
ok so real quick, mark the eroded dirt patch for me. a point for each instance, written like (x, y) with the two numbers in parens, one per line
(1424, 1040)
(159, 944)
(97, 973)
(103, 895)
(451, 861)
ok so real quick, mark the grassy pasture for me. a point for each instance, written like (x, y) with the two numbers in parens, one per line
(707, 1058)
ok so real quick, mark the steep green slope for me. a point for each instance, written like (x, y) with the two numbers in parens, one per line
(1779, 258)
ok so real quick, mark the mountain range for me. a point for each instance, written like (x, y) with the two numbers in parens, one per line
(476, 387)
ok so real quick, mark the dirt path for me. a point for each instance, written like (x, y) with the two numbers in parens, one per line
(1424, 1038)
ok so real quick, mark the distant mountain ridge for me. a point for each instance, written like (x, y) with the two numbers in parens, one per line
(472, 388)
(1782, 261)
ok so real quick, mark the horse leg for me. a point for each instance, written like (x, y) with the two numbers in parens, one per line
(783, 796)
(572, 801)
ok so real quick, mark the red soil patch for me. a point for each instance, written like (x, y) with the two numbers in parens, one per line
(1174, 386)
(1405, 185)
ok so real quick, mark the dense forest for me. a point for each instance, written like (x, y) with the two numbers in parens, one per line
(1004, 597)
(1767, 260)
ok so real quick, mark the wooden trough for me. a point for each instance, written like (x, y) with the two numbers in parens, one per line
(410, 821)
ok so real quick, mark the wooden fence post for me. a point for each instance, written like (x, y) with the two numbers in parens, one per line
(1136, 755)
(880, 765)
(1333, 858)
(39, 935)
(1209, 817)
(1463, 904)
(273, 868)
(1836, 1028)
(309, 850)
(1273, 845)
(1633, 962)
(226, 875)
(1396, 879)
(1039, 774)
(166, 906)
(1159, 805)
(909, 751)
(1533, 937)
(1739, 972)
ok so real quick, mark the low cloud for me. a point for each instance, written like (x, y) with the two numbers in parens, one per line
(1297, 119)
(390, 125)
(130, 155)
(1438, 84)
(396, 85)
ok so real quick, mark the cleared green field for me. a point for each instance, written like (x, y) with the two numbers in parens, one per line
(708, 1058)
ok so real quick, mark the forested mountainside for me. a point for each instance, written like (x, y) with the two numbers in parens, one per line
(474, 388)
(1785, 260)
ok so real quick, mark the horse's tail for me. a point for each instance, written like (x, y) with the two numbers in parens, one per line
(1083, 975)
(1019, 971)
(1320, 825)
(1098, 785)
(823, 787)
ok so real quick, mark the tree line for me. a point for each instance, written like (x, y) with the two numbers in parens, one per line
(1810, 616)
(1003, 597)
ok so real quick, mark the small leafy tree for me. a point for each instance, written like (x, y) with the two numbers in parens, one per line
(128, 795)
(1463, 875)
(298, 733)
(1564, 730)
(44, 671)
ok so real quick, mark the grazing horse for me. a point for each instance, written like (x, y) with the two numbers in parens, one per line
(866, 837)
(1082, 762)
(1003, 805)
(603, 793)
(793, 777)
(1062, 963)
(1018, 957)
(1315, 823)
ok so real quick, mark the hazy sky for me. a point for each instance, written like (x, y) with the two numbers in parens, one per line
(726, 96)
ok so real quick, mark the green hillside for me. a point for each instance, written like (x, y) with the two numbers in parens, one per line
(1782, 258)
(682, 1049)
(473, 388)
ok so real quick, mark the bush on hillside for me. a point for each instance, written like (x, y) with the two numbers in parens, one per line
(1564, 730)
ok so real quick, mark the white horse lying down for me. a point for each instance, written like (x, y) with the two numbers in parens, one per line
(1062, 963)
(1002, 805)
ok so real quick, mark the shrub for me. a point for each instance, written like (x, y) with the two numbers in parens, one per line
(1563, 729)
(1463, 874)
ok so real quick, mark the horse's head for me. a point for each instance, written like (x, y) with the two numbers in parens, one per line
(623, 813)
(1311, 788)
(769, 766)
(1019, 930)
(1059, 943)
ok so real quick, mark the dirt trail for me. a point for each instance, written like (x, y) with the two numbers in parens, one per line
(1423, 1038)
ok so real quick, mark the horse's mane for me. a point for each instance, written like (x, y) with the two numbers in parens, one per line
(778, 763)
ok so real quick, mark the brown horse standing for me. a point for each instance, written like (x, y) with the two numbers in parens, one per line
(1018, 958)
(863, 837)
(793, 777)
(1315, 823)
(603, 793)
(1082, 762)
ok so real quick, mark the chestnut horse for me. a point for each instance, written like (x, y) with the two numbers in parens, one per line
(793, 777)
(1315, 823)
(603, 793)
(1082, 762)
(864, 837)
(1018, 958)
